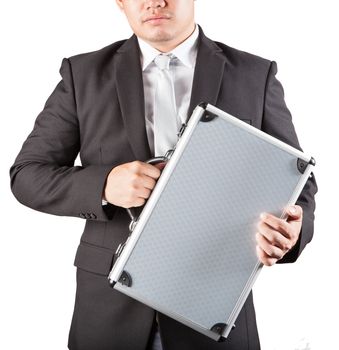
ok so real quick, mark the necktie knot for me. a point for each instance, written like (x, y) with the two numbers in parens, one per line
(163, 61)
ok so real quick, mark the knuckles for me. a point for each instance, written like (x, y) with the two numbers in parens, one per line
(282, 226)
(274, 252)
(270, 249)
(277, 255)
(134, 179)
(264, 258)
(288, 246)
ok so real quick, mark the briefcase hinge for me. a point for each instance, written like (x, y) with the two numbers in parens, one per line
(182, 129)
(119, 249)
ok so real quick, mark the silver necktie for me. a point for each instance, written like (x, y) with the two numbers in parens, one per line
(165, 115)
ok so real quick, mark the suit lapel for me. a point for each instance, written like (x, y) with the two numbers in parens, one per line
(208, 74)
(131, 97)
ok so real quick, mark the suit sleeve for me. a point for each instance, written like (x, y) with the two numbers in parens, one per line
(277, 121)
(43, 176)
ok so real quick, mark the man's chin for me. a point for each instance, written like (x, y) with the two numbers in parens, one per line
(159, 35)
(159, 40)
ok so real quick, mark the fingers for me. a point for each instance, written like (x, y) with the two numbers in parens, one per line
(264, 258)
(295, 213)
(161, 165)
(270, 250)
(275, 236)
(130, 184)
(284, 226)
(146, 169)
(276, 224)
(141, 184)
(137, 202)
(143, 193)
(147, 182)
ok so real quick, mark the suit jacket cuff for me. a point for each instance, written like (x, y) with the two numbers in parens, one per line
(89, 189)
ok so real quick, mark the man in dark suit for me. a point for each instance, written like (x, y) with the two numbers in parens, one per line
(104, 108)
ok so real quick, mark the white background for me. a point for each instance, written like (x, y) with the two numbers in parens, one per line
(297, 305)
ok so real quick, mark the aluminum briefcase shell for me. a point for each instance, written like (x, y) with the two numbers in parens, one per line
(192, 252)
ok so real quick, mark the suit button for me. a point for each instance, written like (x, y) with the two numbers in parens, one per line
(88, 215)
(82, 215)
(93, 216)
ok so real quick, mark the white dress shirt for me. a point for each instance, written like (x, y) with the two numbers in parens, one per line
(181, 70)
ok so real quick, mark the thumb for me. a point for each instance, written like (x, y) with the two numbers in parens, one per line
(161, 165)
(295, 212)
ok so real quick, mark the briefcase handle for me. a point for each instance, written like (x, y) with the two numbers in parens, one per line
(133, 212)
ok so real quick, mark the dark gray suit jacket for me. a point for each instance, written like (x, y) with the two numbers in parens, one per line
(97, 109)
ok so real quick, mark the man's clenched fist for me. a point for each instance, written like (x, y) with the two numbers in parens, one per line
(130, 184)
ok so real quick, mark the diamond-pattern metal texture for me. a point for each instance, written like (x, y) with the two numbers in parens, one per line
(197, 250)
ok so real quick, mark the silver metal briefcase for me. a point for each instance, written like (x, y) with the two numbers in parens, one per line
(191, 254)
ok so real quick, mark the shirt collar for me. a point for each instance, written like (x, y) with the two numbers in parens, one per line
(186, 52)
